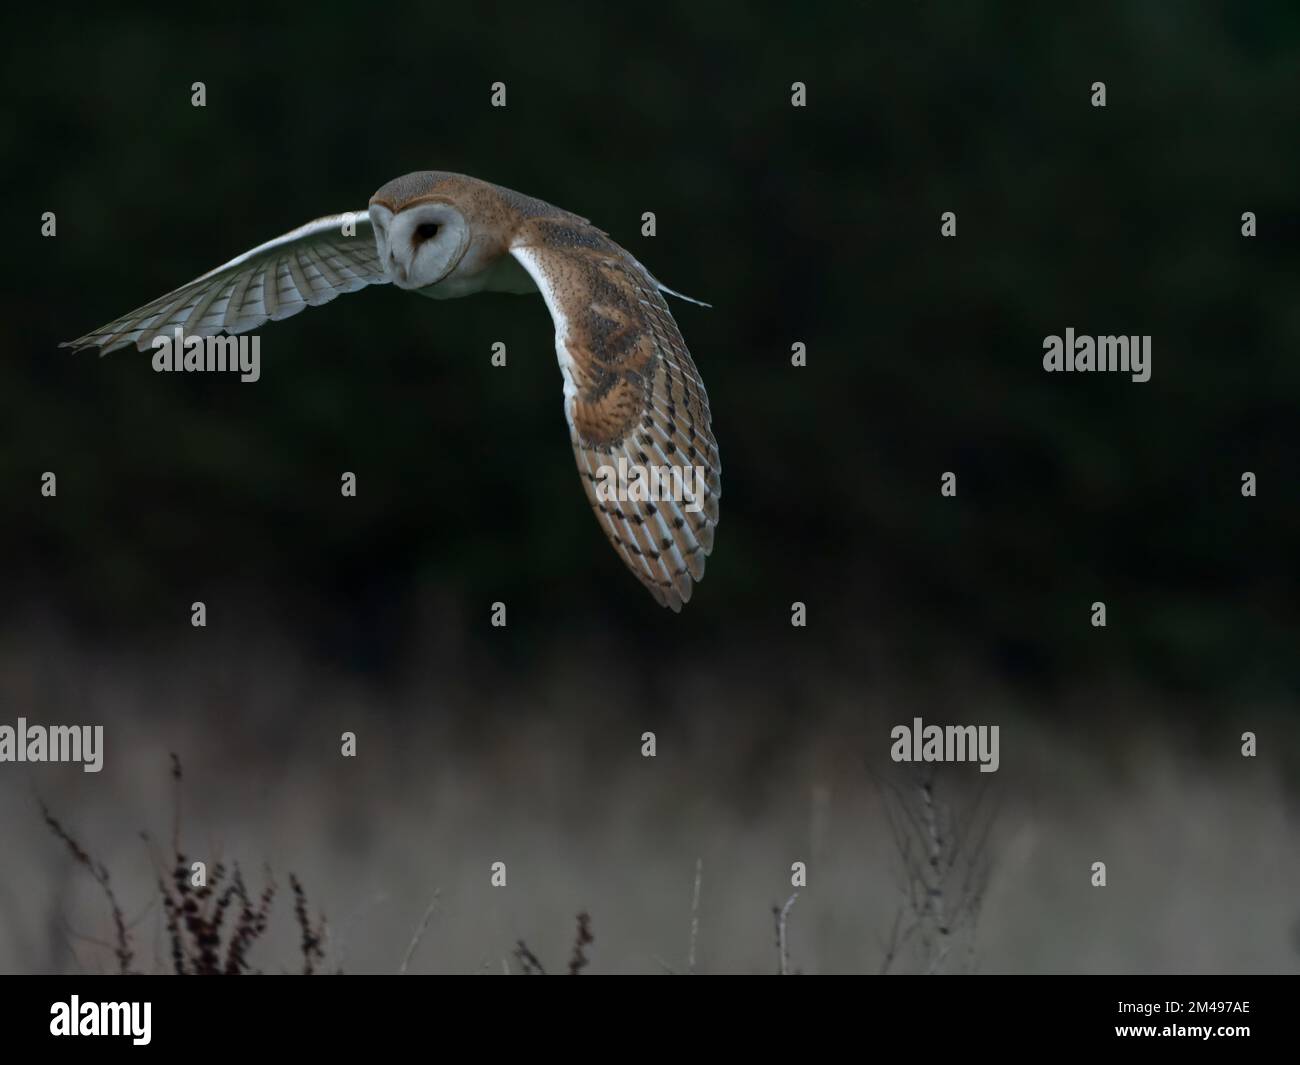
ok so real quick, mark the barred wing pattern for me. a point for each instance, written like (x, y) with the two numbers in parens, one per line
(631, 392)
(309, 266)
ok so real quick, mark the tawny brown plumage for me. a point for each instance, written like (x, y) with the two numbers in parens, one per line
(631, 390)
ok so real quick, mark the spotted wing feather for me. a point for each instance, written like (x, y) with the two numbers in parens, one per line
(632, 392)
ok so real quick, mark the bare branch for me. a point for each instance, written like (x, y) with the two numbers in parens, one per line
(419, 932)
(782, 914)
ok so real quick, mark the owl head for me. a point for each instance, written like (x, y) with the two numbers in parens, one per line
(420, 243)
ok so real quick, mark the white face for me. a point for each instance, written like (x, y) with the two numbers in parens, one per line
(420, 245)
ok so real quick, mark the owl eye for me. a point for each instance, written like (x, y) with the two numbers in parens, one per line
(426, 230)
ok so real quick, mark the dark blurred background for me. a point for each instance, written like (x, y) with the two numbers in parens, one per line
(817, 225)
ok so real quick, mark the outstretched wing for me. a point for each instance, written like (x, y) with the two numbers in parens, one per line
(631, 393)
(309, 266)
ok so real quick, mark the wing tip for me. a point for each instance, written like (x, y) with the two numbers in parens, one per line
(91, 342)
(682, 296)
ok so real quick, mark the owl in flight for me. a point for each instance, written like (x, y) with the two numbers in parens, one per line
(631, 391)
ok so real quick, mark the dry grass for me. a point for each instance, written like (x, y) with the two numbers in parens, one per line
(426, 805)
(944, 871)
(211, 918)
(100, 874)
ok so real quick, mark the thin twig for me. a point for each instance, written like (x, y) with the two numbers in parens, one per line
(579, 960)
(782, 947)
(934, 885)
(897, 940)
(100, 874)
(419, 932)
(528, 960)
(312, 938)
(176, 803)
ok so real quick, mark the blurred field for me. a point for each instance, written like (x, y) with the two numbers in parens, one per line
(545, 774)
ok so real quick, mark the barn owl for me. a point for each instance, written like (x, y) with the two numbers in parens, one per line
(631, 391)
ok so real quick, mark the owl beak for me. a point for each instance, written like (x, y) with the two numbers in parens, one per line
(396, 269)
(382, 218)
